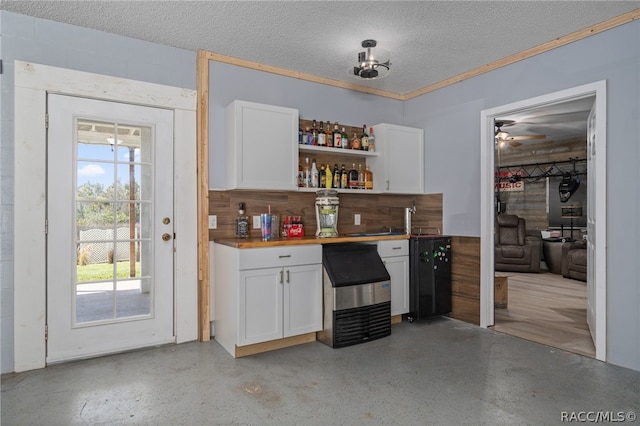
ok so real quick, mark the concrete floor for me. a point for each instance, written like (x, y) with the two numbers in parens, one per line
(442, 372)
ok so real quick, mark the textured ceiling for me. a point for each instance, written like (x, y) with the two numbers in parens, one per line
(429, 41)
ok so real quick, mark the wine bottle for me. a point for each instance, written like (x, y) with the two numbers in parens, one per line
(344, 139)
(322, 136)
(364, 139)
(372, 140)
(353, 177)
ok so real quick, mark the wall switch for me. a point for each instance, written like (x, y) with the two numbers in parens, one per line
(213, 221)
(356, 219)
(256, 222)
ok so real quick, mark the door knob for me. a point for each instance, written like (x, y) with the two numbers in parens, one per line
(166, 237)
(166, 221)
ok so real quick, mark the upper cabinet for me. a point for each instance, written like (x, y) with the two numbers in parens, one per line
(400, 167)
(261, 146)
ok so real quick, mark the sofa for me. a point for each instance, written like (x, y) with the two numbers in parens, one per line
(515, 251)
(574, 260)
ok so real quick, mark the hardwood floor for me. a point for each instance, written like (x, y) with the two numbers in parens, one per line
(546, 308)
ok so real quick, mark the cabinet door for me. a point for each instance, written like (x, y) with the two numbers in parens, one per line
(402, 151)
(302, 299)
(260, 306)
(261, 145)
(398, 268)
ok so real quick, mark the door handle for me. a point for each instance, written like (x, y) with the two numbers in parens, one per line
(281, 276)
(166, 237)
(288, 276)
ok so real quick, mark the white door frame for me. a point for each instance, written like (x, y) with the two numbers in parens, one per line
(487, 168)
(32, 83)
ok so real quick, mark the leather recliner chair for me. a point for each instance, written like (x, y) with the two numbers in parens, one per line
(574, 260)
(514, 250)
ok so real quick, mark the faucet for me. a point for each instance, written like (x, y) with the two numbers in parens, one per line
(408, 211)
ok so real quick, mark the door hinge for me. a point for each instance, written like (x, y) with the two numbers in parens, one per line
(46, 226)
(46, 120)
(46, 332)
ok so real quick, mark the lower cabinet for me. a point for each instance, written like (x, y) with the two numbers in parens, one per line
(395, 255)
(266, 294)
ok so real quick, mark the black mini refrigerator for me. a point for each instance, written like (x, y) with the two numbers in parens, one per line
(429, 276)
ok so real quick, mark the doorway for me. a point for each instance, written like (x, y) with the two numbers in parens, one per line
(596, 293)
(110, 227)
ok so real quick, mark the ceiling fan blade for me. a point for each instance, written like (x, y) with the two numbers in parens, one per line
(514, 143)
(525, 137)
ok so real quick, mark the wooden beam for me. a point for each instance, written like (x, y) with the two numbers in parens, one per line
(202, 124)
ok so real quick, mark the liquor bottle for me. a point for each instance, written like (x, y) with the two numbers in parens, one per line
(322, 177)
(360, 177)
(307, 136)
(314, 133)
(353, 177)
(307, 173)
(372, 140)
(242, 223)
(322, 136)
(337, 136)
(328, 180)
(300, 175)
(344, 139)
(355, 141)
(314, 174)
(300, 134)
(329, 135)
(336, 176)
(364, 139)
(368, 177)
(344, 178)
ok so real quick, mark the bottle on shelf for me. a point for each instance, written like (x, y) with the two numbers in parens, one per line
(300, 135)
(353, 177)
(344, 178)
(322, 136)
(337, 136)
(329, 135)
(314, 133)
(360, 177)
(368, 178)
(344, 138)
(336, 176)
(314, 174)
(300, 175)
(372, 140)
(307, 136)
(322, 177)
(364, 139)
(307, 173)
(355, 141)
(328, 180)
(242, 223)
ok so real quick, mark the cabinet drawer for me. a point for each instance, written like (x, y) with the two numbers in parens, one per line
(388, 248)
(273, 257)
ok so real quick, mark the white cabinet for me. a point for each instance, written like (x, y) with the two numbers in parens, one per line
(261, 146)
(400, 166)
(265, 294)
(395, 256)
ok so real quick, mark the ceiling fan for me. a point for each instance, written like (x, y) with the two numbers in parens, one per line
(503, 138)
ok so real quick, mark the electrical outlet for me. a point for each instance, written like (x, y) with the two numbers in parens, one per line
(256, 222)
(356, 219)
(213, 221)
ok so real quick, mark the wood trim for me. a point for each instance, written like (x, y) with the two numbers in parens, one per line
(274, 344)
(545, 47)
(202, 125)
(299, 75)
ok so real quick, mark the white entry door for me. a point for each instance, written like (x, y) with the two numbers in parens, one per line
(110, 279)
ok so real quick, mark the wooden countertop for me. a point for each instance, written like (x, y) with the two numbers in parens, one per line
(257, 242)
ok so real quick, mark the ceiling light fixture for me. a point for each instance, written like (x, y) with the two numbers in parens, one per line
(371, 63)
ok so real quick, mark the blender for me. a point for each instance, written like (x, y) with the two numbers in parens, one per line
(327, 213)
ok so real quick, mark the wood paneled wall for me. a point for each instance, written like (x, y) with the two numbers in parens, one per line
(531, 204)
(465, 279)
(376, 210)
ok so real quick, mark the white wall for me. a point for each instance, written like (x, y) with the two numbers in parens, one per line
(66, 46)
(451, 119)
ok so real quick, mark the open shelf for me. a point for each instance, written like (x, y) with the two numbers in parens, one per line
(337, 151)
